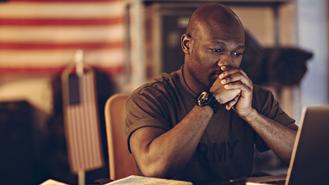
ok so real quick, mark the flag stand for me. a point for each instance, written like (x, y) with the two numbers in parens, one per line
(81, 118)
(81, 177)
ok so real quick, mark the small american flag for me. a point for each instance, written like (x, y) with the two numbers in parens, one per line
(81, 121)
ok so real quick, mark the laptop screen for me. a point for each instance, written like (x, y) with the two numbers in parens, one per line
(310, 158)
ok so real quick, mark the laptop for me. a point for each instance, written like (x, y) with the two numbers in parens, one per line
(309, 164)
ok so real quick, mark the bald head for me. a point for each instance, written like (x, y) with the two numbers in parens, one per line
(213, 17)
(214, 38)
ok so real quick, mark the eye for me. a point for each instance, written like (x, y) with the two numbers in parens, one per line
(237, 53)
(216, 50)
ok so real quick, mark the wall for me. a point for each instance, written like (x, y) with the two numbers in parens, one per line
(264, 31)
(313, 34)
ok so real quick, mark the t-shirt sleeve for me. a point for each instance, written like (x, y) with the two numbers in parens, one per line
(268, 106)
(143, 109)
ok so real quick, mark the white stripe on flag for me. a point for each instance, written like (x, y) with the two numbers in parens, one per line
(53, 58)
(62, 34)
(62, 10)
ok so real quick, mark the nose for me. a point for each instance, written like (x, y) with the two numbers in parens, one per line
(225, 60)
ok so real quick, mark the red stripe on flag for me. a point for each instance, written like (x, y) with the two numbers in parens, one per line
(75, 143)
(60, 21)
(54, 70)
(50, 46)
(74, 146)
(83, 123)
(90, 110)
(82, 133)
(89, 119)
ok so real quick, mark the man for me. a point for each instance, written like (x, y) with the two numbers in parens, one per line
(201, 123)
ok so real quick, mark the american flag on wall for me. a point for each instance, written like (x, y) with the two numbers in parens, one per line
(41, 36)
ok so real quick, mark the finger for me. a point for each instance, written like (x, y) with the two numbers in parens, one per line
(234, 75)
(231, 104)
(249, 81)
(244, 73)
(237, 77)
(226, 67)
(227, 72)
(233, 78)
(230, 70)
(223, 68)
(238, 85)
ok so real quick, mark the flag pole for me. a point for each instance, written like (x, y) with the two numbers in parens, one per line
(79, 62)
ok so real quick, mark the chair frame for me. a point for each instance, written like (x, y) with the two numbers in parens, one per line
(121, 162)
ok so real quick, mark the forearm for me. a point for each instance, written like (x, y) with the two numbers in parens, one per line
(277, 136)
(170, 152)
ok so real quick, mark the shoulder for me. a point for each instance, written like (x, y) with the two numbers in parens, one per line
(158, 90)
(265, 102)
(263, 99)
(261, 92)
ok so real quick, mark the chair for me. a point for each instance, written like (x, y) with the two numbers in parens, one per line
(121, 162)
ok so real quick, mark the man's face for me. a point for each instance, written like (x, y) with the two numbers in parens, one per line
(213, 46)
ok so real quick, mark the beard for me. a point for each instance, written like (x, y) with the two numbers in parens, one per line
(203, 77)
(213, 76)
(199, 76)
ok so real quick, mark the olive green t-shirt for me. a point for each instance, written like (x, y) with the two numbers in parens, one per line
(226, 148)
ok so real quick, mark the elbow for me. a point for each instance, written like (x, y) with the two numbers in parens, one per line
(286, 160)
(156, 169)
(285, 156)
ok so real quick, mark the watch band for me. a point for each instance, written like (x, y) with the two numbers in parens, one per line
(206, 98)
(213, 102)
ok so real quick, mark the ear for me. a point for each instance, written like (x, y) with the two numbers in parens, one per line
(186, 43)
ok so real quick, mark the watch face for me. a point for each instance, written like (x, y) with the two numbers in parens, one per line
(203, 98)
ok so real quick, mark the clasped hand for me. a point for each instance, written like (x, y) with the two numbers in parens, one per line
(234, 89)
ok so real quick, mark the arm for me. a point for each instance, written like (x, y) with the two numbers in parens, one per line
(162, 154)
(278, 137)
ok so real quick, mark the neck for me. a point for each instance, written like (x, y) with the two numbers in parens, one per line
(191, 82)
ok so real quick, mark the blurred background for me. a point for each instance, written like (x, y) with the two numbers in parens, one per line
(126, 43)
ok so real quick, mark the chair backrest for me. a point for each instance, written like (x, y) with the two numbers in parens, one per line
(121, 162)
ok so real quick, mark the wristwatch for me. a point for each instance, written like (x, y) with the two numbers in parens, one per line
(206, 98)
